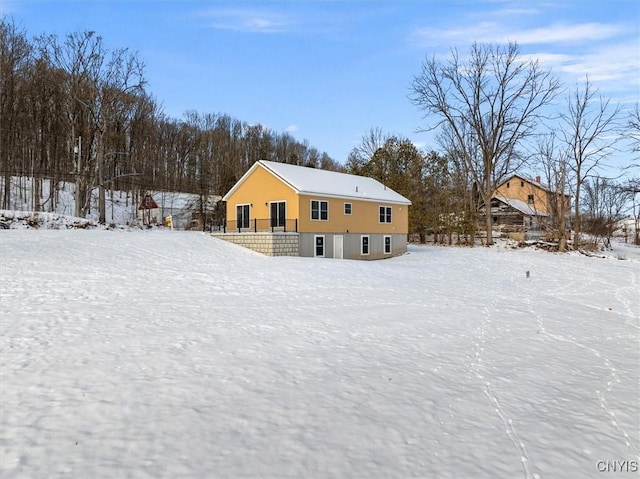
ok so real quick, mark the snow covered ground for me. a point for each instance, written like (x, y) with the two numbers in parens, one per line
(172, 354)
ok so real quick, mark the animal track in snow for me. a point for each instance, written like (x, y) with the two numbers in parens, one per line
(476, 366)
(613, 377)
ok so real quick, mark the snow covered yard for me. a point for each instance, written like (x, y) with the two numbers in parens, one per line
(172, 354)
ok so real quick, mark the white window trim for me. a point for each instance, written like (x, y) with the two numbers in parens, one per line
(324, 246)
(285, 210)
(385, 215)
(384, 244)
(350, 209)
(319, 210)
(237, 219)
(362, 237)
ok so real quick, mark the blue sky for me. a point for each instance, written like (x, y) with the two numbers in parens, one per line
(329, 71)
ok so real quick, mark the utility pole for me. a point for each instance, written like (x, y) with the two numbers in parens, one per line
(78, 150)
(101, 196)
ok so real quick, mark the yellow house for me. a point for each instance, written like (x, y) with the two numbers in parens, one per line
(278, 208)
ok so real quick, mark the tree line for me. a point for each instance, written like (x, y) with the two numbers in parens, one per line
(73, 110)
(495, 114)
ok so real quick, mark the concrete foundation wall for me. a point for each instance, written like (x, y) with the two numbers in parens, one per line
(351, 245)
(270, 244)
(303, 244)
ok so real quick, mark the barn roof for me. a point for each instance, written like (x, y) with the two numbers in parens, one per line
(521, 206)
(315, 181)
(536, 182)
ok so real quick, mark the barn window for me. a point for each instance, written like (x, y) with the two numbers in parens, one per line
(530, 199)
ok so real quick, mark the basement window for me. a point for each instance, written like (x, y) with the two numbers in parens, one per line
(318, 246)
(364, 245)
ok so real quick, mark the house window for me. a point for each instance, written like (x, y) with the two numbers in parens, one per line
(242, 216)
(530, 199)
(347, 208)
(507, 184)
(278, 213)
(387, 245)
(364, 244)
(319, 246)
(385, 214)
(319, 210)
(522, 184)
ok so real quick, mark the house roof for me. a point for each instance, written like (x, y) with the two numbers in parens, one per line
(521, 206)
(314, 181)
(537, 183)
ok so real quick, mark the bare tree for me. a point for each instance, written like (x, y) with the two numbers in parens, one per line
(15, 59)
(72, 93)
(590, 133)
(370, 143)
(604, 202)
(98, 85)
(553, 161)
(491, 103)
(634, 128)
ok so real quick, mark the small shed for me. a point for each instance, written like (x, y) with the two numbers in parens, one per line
(148, 210)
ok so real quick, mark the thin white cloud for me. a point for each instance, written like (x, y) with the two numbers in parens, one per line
(247, 20)
(291, 128)
(9, 7)
(610, 66)
(564, 33)
(490, 32)
(608, 53)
